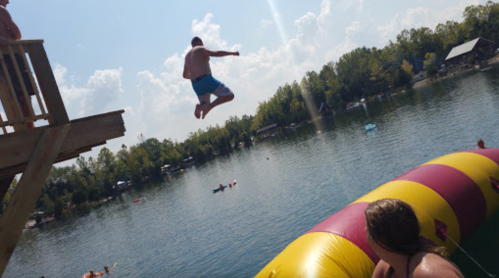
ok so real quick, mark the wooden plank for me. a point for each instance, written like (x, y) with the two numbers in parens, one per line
(47, 83)
(9, 123)
(6, 172)
(32, 80)
(3, 126)
(15, 148)
(27, 191)
(6, 100)
(11, 100)
(98, 116)
(26, 41)
(5, 185)
(21, 82)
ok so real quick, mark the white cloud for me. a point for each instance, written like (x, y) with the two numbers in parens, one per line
(157, 96)
(209, 33)
(59, 73)
(356, 5)
(423, 16)
(266, 23)
(388, 31)
(355, 27)
(129, 110)
(101, 89)
(69, 93)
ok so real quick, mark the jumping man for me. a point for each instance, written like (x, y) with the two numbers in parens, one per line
(197, 69)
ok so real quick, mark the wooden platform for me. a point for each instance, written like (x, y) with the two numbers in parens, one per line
(84, 134)
(29, 93)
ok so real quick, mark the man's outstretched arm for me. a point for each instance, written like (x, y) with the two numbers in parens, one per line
(220, 53)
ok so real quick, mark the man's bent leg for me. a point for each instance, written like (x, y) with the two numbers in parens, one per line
(223, 94)
(197, 111)
(203, 101)
(223, 99)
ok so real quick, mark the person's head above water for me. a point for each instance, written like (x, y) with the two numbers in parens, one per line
(196, 41)
(393, 225)
(481, 144)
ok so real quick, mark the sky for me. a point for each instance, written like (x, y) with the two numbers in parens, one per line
(120, 54)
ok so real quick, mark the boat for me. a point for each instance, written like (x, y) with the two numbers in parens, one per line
(369, 127)
(219, 189)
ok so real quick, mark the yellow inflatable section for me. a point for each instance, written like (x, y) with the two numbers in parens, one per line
(452, 196)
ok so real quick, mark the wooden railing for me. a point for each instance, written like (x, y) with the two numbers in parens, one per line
(26, 78)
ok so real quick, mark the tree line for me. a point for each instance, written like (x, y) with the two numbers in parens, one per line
(361, 73)
(367, 72)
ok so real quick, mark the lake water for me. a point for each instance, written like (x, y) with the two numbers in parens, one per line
(286, 185)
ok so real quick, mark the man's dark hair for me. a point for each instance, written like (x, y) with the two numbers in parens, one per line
(196, 40)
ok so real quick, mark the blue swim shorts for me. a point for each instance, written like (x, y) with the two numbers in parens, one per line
(207, 84)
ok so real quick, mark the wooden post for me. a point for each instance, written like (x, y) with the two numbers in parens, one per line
(4, 186)
(21, 82)
(48, 85)
(31, 80)
(28, 189)
(3, 127)
(9, 98)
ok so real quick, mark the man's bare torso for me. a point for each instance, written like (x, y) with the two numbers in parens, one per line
(6, 32)
(197, 62)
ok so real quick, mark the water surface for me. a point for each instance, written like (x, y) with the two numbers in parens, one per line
(286, 185)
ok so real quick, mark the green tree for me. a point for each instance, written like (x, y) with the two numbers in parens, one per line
(407, 67)
(58, 207)
(430, 64)
(93, 194)
(48, 205)
(79, 197)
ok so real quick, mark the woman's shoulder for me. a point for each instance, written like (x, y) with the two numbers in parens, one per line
(381, 269)
(434, 265)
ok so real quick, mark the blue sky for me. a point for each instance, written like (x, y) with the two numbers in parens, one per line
(119, 54)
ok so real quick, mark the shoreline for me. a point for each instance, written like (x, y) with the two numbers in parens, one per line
(490, 63)
(69, 211)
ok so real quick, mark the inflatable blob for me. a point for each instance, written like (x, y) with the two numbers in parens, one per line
(452, 196)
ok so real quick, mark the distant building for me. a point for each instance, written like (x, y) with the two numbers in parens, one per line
(188, 162)
(265, 131)
(479, 49)
(266, 128)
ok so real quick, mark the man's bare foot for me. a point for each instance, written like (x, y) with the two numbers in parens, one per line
(197, 112)
(206, 108)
